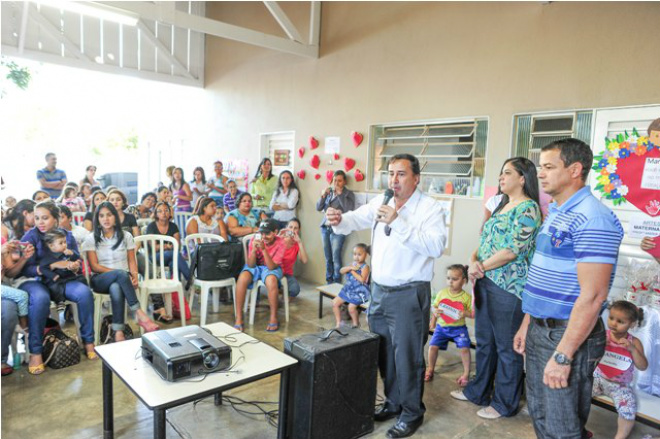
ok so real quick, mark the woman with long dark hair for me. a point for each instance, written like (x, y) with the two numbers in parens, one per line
(499, 271)
(198, 185)
(46, 218)
(98, 197)
(181, 193)
(285, 199)
(163, 225)
(18, 220)
(337, 196)
(263, 185)
(111, 255)
(90, 172)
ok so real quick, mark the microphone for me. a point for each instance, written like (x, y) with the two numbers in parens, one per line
(387, 196)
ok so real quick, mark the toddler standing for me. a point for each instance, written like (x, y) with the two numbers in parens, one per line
(356, 291)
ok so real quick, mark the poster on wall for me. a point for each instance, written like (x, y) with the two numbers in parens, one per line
(332, 145)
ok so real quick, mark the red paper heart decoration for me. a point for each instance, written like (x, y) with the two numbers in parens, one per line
(313, 143)
(301, 151)
(329, 175)
(336, 156)
(317, 176)
(349, 163)
(357, 138)
(358, 175)
(646, 200)
(302, 174)
(450, 310)
(616, 360)
(315, 162)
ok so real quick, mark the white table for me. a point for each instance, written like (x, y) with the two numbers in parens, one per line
(125, 360)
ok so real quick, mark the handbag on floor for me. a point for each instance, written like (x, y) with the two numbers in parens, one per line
(107, 334)
(176, 312)
(60, 350)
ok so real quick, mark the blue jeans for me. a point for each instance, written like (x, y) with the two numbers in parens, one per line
(118, 284)
(39, 309)
(561, 413)
(168, 258)
(498, 318)
(294, 286)
(332, 247)
(9, 321)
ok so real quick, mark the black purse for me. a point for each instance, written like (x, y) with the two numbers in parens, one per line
(60, 350)
(217, 261)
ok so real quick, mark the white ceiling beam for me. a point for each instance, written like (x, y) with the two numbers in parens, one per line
(315, 25)
(146, 32)
(24, 20)
(149, 11)
(284, 22)
(55, 33)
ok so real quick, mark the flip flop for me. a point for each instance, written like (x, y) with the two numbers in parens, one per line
(163, 318)
(272, 327)
(37, 370)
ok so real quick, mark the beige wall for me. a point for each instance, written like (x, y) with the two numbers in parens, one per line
(389, 62)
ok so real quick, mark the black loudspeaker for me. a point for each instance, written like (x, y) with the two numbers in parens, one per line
(333, 388)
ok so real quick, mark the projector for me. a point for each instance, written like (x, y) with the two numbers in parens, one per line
(181, 353)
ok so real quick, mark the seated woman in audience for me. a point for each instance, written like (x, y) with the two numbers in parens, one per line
(244, 220)
(181, 193)
(14, 301)
(145, 209)
(89, 179)
(66, 223)
(86, 194)
(111, 255)
(97, 198)
(229, 199)
(198, 185)
(40, 196)
(46, 218)
(204, 221)
(71, 200)
(163, 225)
(164, 194)
(127, 220)
(263, 185)
(18, 220)
(294, 249)
(285, 199)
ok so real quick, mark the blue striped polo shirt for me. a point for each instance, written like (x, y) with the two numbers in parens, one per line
(580, 230)
(55, 176)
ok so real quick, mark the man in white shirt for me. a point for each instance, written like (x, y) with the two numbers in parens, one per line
(408, 234)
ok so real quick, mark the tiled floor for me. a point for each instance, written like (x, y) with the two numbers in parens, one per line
(67, 403)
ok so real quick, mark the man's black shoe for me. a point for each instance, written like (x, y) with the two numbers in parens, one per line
(383, 414)
(404, 429)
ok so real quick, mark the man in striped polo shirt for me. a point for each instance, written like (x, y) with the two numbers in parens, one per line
(569, 279)
(51, 179)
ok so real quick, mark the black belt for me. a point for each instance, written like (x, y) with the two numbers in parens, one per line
(403, 287)
(551, 323)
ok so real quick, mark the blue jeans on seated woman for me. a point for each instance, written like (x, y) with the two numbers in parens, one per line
(118, 284)
(9, 321)
(39, 309)
(168, 258)
(498, 317)
(332, 247)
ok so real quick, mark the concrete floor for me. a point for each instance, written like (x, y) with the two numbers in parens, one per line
(67, 403)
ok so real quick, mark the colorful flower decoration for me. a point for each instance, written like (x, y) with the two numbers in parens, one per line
(606, 164)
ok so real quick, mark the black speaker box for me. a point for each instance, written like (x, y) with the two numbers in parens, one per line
(333, 388)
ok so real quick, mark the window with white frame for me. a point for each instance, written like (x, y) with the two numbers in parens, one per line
(451, 153)
(278, 147)
(533, 131)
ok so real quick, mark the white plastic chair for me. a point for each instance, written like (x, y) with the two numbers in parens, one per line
(78, 218)
(181, 220)
(155, 280)
(208, 285)
(251, 296)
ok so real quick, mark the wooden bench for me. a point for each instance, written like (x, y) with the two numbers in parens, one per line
(330, 291)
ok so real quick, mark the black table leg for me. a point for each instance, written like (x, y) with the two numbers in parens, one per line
(282, 432)
(320, 305)
(159, 423)
(108, 415)
(218, 398)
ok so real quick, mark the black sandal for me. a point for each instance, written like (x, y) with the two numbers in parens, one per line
(162, 318)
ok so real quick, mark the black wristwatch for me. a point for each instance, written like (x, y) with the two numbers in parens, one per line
(561, 359)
